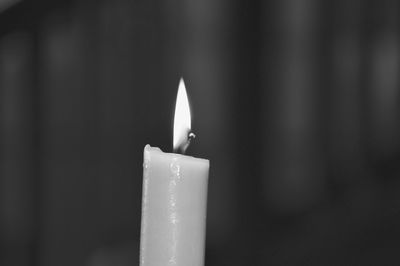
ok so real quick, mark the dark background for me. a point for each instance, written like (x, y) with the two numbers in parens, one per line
(295, 103)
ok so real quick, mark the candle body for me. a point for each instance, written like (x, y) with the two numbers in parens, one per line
(174, 205)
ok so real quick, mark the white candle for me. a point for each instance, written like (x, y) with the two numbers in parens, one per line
(174, 200)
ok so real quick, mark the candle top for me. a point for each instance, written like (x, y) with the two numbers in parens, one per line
(156, 150)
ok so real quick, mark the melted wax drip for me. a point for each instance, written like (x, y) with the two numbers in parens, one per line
(175, 169)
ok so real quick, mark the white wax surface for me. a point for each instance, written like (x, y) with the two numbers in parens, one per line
(173, 209)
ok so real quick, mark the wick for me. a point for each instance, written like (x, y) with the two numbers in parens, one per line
(185, 146)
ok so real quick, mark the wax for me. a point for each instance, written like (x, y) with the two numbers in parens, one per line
(173, 209)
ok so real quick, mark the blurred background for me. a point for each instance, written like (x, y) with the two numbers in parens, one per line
(295, 102)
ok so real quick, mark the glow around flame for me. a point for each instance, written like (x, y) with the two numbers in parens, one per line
(182, 119)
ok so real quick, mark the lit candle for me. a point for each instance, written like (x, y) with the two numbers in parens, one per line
(174, 199)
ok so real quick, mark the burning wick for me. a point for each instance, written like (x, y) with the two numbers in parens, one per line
(182, 148)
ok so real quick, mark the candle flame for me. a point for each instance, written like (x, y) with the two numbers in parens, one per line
(182, 119)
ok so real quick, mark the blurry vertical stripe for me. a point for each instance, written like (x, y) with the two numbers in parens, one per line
(294, 166)
(383, 83)
(16, 176)
(207, 68)
(345, 92)
(69, 214)
(385, 93)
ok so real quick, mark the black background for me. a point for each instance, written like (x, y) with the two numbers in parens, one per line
(295, 103)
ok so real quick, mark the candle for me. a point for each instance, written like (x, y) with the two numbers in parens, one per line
(174, 199)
